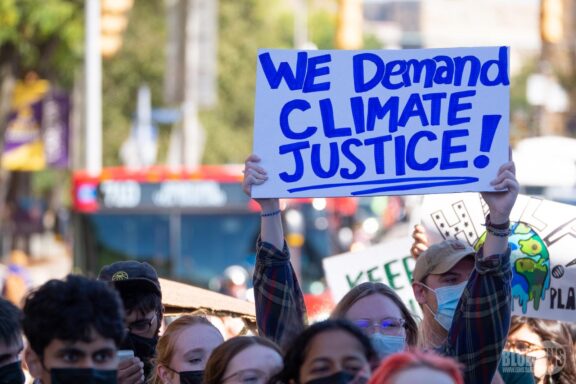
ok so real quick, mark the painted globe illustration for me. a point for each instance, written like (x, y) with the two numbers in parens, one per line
(530, 261)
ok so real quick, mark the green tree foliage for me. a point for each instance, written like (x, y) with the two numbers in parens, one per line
(42, 36)
(141, 60)
(244, 26)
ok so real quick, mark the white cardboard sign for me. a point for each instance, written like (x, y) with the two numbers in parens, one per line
(387, 122)
(389, 263)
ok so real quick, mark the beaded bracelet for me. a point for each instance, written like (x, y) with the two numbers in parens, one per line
(273, 213)
(489, 223)
(500, 230)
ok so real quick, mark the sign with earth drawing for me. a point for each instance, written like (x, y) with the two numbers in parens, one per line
(543, 239)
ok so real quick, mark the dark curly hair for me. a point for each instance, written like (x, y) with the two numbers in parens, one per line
(70, 310)
(297, 351)
(10, 323)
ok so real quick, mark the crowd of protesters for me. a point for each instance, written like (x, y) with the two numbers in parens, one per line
(110, 329)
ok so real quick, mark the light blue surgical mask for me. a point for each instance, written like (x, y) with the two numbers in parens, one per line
(386, 345)
(447, 299)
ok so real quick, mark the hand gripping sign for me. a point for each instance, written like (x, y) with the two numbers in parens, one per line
(359, 123)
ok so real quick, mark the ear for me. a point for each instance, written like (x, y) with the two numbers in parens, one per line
(419, 293)
(164, 374)
(34, 363)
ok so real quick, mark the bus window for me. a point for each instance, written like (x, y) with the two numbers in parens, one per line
(130, 236)
(211, 242)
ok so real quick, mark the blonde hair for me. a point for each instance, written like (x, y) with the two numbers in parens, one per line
(370, 288)
(166, 343)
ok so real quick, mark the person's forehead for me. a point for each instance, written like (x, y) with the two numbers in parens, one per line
(198, 336)
(524, 333)
(255, 357)
(375, 306)
(96, 342)
(334, 345)
(422, 374)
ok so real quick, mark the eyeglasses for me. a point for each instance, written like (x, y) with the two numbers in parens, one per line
(388, 326)
(247, 376)
(522, 347)
(141, 325)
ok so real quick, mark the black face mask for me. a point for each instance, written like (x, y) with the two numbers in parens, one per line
(191, 377)
(12, 374)
(144, 348)
(82, 375)
(340, 377)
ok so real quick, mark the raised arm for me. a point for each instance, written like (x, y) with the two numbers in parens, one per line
(280, 310)
(482, 320)
(500, 205)
(271, 230)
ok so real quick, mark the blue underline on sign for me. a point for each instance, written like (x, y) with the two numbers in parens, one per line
(413, 183)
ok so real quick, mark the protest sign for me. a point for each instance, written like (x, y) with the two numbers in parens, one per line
(543, 240)
(360, 123)
(389, 263)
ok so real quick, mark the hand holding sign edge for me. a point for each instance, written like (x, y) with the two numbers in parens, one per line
(271, 223)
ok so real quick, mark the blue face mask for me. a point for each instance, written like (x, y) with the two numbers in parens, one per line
(386, 345)
(447, 299)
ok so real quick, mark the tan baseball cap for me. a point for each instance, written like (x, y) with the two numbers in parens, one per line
(440, 258)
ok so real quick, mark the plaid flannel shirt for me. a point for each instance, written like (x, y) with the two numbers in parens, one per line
(476, 338)
(280, 309)
(482, 319)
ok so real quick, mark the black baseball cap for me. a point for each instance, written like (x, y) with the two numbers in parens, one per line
(136, 274)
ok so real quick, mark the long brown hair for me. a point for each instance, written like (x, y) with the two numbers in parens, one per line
(223, 354)
(370, 288)
(166, 343)
(558, 334)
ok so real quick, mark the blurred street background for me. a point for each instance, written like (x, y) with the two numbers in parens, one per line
(123, 123)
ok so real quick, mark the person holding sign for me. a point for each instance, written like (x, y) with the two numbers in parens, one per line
(280, 310)
(465, 295)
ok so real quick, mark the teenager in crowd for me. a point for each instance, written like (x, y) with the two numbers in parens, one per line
(449, 265)
(184, 349)
(331, 351)
(141, 295)
(381, 314)
(243, 360)
(280, 310)
(548, 344)
(10, 344)
(417, 367)
(74, 328)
